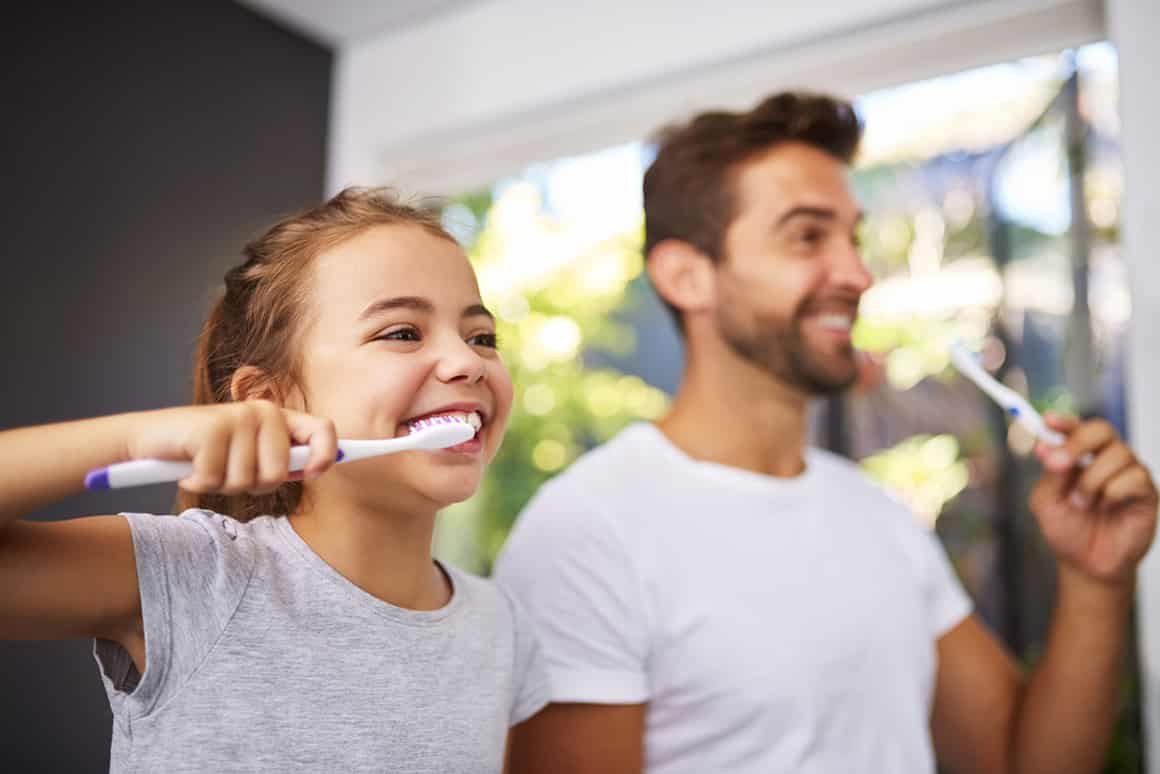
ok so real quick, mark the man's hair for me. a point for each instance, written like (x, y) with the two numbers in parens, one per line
(688, 189)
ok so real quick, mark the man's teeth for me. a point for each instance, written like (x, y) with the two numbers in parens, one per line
(838, 322)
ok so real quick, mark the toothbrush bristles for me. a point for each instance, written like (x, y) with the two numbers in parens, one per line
(443, 419)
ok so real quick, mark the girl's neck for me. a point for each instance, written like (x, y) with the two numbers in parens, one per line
(387, 555)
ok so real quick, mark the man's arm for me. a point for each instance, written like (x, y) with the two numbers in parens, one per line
(1099, 518)
(580, 739)
(988, 718)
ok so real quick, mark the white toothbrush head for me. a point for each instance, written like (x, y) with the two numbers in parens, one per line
(1012, 403)
(440, 432)
(969, 366)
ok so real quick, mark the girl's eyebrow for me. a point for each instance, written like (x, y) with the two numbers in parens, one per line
(417, 304)
(478, 310)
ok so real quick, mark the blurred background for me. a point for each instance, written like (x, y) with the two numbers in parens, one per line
(1005, 172)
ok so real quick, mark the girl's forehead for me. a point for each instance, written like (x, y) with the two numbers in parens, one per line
(392, 260)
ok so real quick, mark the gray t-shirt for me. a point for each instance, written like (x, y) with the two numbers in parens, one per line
(260, 657)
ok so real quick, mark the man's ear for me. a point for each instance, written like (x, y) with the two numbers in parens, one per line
(683, 276)
(252, 383)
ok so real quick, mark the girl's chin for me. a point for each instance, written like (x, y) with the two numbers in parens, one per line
(446, 487)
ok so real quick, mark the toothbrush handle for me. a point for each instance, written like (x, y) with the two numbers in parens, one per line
(151, 471)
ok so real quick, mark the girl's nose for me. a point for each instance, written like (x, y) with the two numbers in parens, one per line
(459, 362)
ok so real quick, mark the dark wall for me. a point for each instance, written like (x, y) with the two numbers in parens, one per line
(144, 143)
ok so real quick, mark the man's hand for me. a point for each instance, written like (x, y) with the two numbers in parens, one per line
(1098, 516)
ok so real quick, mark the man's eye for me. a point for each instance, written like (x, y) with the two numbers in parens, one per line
(490, 340)
(399, 334)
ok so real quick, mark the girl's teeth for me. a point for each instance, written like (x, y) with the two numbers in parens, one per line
(473, 418)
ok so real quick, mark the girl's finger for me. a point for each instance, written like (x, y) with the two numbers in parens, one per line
(320, 434)
(209, 461)
(273, 451)
(242, 465)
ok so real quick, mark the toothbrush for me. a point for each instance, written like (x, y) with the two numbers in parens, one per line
(434, 433)
(1011, 402)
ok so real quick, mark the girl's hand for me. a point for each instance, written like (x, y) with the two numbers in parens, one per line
(235, 448)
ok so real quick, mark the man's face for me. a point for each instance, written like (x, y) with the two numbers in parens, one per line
(791, 275)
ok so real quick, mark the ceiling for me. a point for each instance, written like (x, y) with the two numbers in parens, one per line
(338, 22)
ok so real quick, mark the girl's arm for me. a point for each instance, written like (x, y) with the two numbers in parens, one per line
(40, 465)
(77, 578)
(64, 579)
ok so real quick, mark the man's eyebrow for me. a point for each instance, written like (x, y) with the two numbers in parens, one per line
(822, 213)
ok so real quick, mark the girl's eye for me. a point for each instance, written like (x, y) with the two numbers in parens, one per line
(812, 236)
(399, 334)
(489, 340)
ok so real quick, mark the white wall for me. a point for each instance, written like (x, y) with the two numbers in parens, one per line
(468, 97)
(1134, 28)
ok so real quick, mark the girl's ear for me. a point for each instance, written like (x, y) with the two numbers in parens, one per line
(252, 383)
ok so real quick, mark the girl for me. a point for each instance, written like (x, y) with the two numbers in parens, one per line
(310, 629)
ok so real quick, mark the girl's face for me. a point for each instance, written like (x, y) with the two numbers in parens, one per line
(395, 331)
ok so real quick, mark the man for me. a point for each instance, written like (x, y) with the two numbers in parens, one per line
(714, 596)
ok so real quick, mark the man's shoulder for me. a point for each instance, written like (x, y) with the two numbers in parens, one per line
(597, 494)
(614, 464)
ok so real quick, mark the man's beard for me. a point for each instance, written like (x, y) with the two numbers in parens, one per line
(781, 351)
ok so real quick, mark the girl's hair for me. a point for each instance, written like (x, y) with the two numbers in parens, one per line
(256, 319)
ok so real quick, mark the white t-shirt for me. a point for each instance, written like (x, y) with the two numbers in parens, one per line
(772, 625)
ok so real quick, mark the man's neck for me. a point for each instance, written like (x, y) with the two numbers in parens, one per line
(738, 416)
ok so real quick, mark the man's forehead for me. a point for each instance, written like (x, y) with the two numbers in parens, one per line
(793, 165)
(774, 191)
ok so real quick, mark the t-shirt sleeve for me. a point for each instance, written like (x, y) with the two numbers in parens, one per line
(570, 571)
(531, 673)
(947, 602)
(192, 571)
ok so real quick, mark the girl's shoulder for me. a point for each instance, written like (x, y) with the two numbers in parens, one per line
(487, 599)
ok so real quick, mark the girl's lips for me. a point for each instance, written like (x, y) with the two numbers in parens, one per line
(470, 446)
